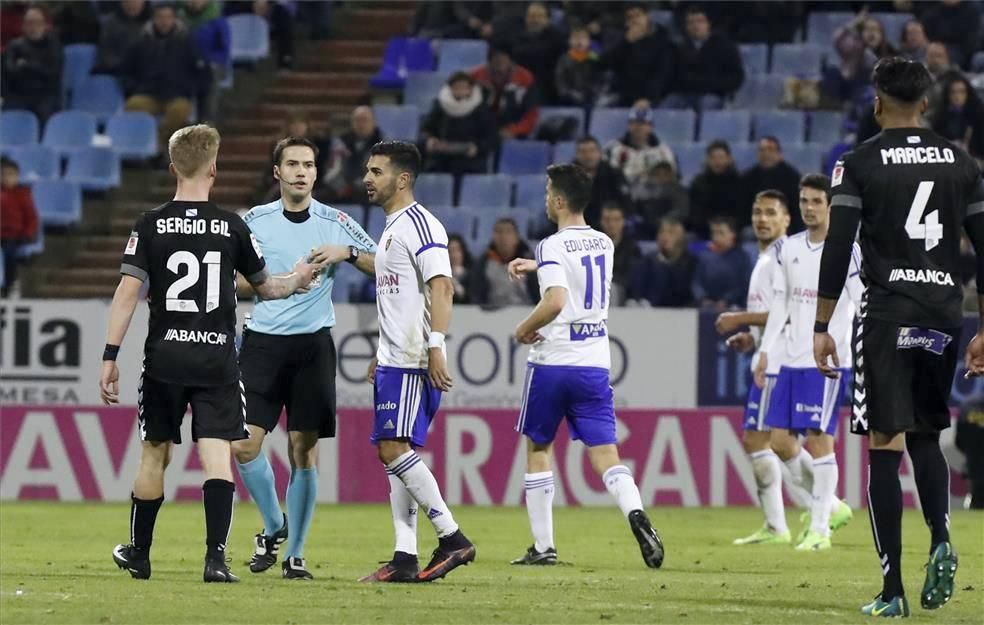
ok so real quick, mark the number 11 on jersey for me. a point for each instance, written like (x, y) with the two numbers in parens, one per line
(589, 280)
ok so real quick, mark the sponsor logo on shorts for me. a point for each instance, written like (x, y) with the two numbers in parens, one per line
(932, 341)
(801, 407)
(388, 405)
(195, 336)
(583, 331)
(922, 276)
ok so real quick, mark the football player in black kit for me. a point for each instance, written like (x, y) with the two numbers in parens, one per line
(911, 191)
(190, 250)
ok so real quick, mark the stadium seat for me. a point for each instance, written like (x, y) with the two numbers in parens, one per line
(134, 134)
(744, 155)
(18, 128)
(250, 35)
(797, 59)
(398, 121)
(461, 54)
(484, 190)
(690, 160)
(762, 91)
(59, 202)
(608, 124)
(455, 220)
(94, 169)
(434, 189)
(564, 151)
(402, 55)
(787, 126)
(530, 191)
(550, 112)
(36, 162)
(523, 157)
(100, 95)
(820, 26)
(68, 131)
(79, 59)
(893, 23)
(807, 157)
(755, 57)
(726, 125)
(421, 89)
(674, 126)
(826, 127)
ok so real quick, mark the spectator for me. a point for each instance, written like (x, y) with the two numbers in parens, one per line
(627, 252)
(461, 264)
(18, 219)
(723, 270)
(577, 73)
(281, 25)
(510, 93)
(489, 283)
(638, 151)
(476, 17)
(346, 182)
(641, 61)
(214, 41)
(75, 22)
(604, 21)
(120, 31)
(956, 24)
(162, 72)
(32, 68)
(914, 41)
(960, 118)
(459, 133)
(708, 66)
(608, 184)
(940, 68)
(664, 278)
(770, 172)
(847, 80)
(660, 195)
(873, 36)
(715, 189)
(537, 47)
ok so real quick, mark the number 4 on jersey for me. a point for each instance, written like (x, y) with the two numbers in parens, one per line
(930, 230)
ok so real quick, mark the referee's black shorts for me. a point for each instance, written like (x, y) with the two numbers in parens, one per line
(296, 372)
(902, 377)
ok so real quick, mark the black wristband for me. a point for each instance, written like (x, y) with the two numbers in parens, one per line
(820, 326)
(353, 255)
(110, 352)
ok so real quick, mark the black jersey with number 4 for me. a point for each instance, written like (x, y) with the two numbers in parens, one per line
(190, 252)
(914, 190)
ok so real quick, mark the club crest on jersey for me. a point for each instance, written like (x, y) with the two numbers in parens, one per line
(131, 245)
(583, 331)
(932, 341)
(191, 212)
(388, 241)
(838, 174)
(913, 139)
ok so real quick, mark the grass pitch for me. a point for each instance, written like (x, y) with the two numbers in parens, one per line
(55, 567)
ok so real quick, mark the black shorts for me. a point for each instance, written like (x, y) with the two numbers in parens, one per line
(216, 411)
(902, 377)
(294, 371)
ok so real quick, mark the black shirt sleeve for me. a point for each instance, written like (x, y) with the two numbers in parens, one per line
(845, 216)
(249, 257)
(136, 258)
(974, 225)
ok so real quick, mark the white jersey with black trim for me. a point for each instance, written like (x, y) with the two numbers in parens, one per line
(760, 297)
(580, 260)
(412, 249)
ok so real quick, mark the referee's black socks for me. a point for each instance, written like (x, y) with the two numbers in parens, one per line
(885, 509)
(217, 497)
(143, 516)
(932, 481)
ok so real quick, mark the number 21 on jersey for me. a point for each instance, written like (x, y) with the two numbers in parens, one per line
(212, 261)
(931, 230)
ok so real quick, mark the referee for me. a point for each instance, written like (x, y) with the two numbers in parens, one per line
(288, 356)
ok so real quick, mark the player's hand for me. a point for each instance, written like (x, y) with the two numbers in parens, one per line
(528, 338)
(371, 374)
(519, 267)
(109, 383)
(726, 323)
(329, 254)
(437, 369)
(758, 375)
(974, 358)
(742, 342)
(307, 271)
(825, 353)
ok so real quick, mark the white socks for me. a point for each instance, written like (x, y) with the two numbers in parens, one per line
(801, 470)
(824, 486)
(539, 506)
(618, 480)
(423, 488)
(800, 496)
(768, 478)
(404, 515)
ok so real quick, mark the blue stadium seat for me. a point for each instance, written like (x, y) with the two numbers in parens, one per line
(68, 131)
(59, 202)
(761, 91)
(18, 128)
(523, 157)
(826, 127)
(421, 89)
(690, 160)
(893, 23)
(485, 190)
(548, 112)
(463, 54)
(94, 169)
(78, 62)
(403, 55)
(564, 151)
(398, 121)
(434, 189)
(36, 162)
(455, 220)
(726, 125)
(755, 57)
(100, 95)
(530, 191)
(797, 59)
(820, 26)
(744, 155)
(806, 157)
(674, 126)
(33, 248)
(608, 124)
(134, 134)
(250, 35)
(787, 126)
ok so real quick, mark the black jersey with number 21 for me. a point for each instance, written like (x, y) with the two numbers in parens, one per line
(914, 190)
(190, 253)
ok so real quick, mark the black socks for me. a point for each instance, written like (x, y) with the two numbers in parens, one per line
(932, 481)
(143, 516)
(217, 496)
(885, 509)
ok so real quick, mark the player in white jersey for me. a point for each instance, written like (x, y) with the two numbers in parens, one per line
(803, 400)
(410, 371)
(569, 362)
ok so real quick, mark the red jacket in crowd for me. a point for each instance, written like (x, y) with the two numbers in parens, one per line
(515, 103)
(18, 217)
